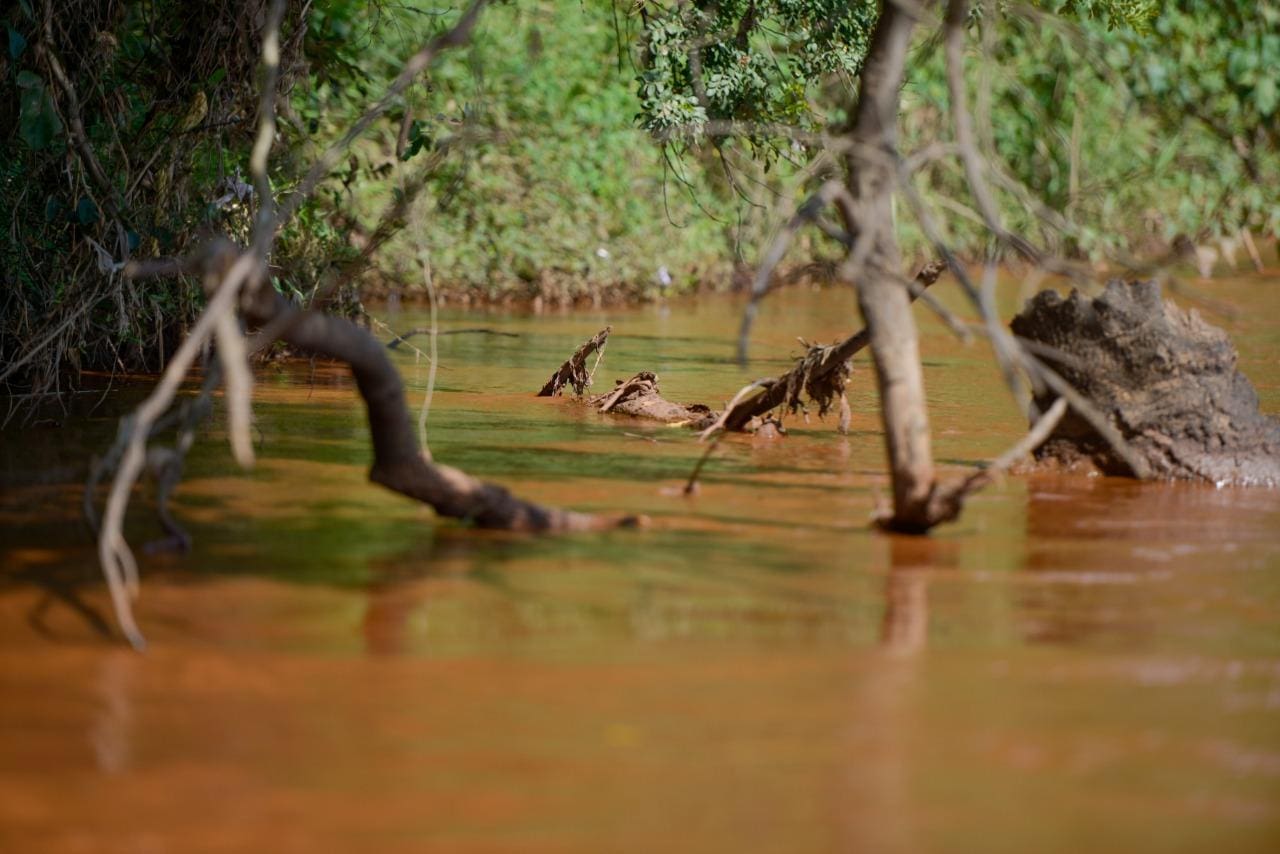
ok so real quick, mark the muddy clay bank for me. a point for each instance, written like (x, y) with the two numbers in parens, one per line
(1165, 380)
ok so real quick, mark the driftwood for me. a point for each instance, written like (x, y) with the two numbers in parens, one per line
(1165, 379)
(639, 397)
(821, 373)
(574, 371)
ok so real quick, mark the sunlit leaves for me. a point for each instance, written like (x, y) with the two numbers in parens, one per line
(744, 61)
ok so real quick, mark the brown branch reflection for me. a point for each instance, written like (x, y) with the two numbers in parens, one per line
(905, 629)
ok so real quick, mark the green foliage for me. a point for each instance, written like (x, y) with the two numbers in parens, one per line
(1107, 13)
(167, 93)
(1136, 120)
(1154, 122)
(744, 61)
(544, 185)
(39, 124)
(542, 176)
(1211, 72)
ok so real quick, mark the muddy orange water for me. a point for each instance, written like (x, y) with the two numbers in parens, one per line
(1077, 665)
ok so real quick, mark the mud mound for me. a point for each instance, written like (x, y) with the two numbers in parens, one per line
(1166, 379)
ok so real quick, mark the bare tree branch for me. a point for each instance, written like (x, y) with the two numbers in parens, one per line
(234, 276)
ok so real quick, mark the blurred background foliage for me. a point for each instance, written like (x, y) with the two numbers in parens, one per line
(582, 148)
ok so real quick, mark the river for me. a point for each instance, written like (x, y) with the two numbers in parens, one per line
(1077, 663)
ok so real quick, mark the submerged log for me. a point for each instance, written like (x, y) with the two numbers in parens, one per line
(1166, 379)
(639, 397)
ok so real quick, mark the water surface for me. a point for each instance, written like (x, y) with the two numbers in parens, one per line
(1077, 663)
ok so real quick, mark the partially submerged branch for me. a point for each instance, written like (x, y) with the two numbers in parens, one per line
(820, 373)
(945, 501)
(237, 278)
(398, 462)
(574, 371)
(403, 337)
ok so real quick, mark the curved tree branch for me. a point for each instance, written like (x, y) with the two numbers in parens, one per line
(398, 462)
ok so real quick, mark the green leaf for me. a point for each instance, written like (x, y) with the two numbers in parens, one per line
(29, 80)
(1265, 95)
(38, 123)
(17, 43)
(86, 211)
(53, 208)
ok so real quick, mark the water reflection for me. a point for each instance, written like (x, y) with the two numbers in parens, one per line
(111, 733)
(905, 629)
(1109, 558)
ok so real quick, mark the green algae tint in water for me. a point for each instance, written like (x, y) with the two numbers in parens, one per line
(1077, 664)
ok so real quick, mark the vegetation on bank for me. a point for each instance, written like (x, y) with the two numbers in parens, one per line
(566, 151)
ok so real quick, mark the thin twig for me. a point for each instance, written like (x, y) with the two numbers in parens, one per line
(233, 356)
(431, 369)
(807, 212)
(1028, 443)
(118, 563)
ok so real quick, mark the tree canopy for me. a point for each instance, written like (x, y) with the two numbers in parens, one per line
(129, 127)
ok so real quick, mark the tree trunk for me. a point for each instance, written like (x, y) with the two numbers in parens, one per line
(874, 262)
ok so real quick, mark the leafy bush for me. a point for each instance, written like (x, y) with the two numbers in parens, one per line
(547, 185)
